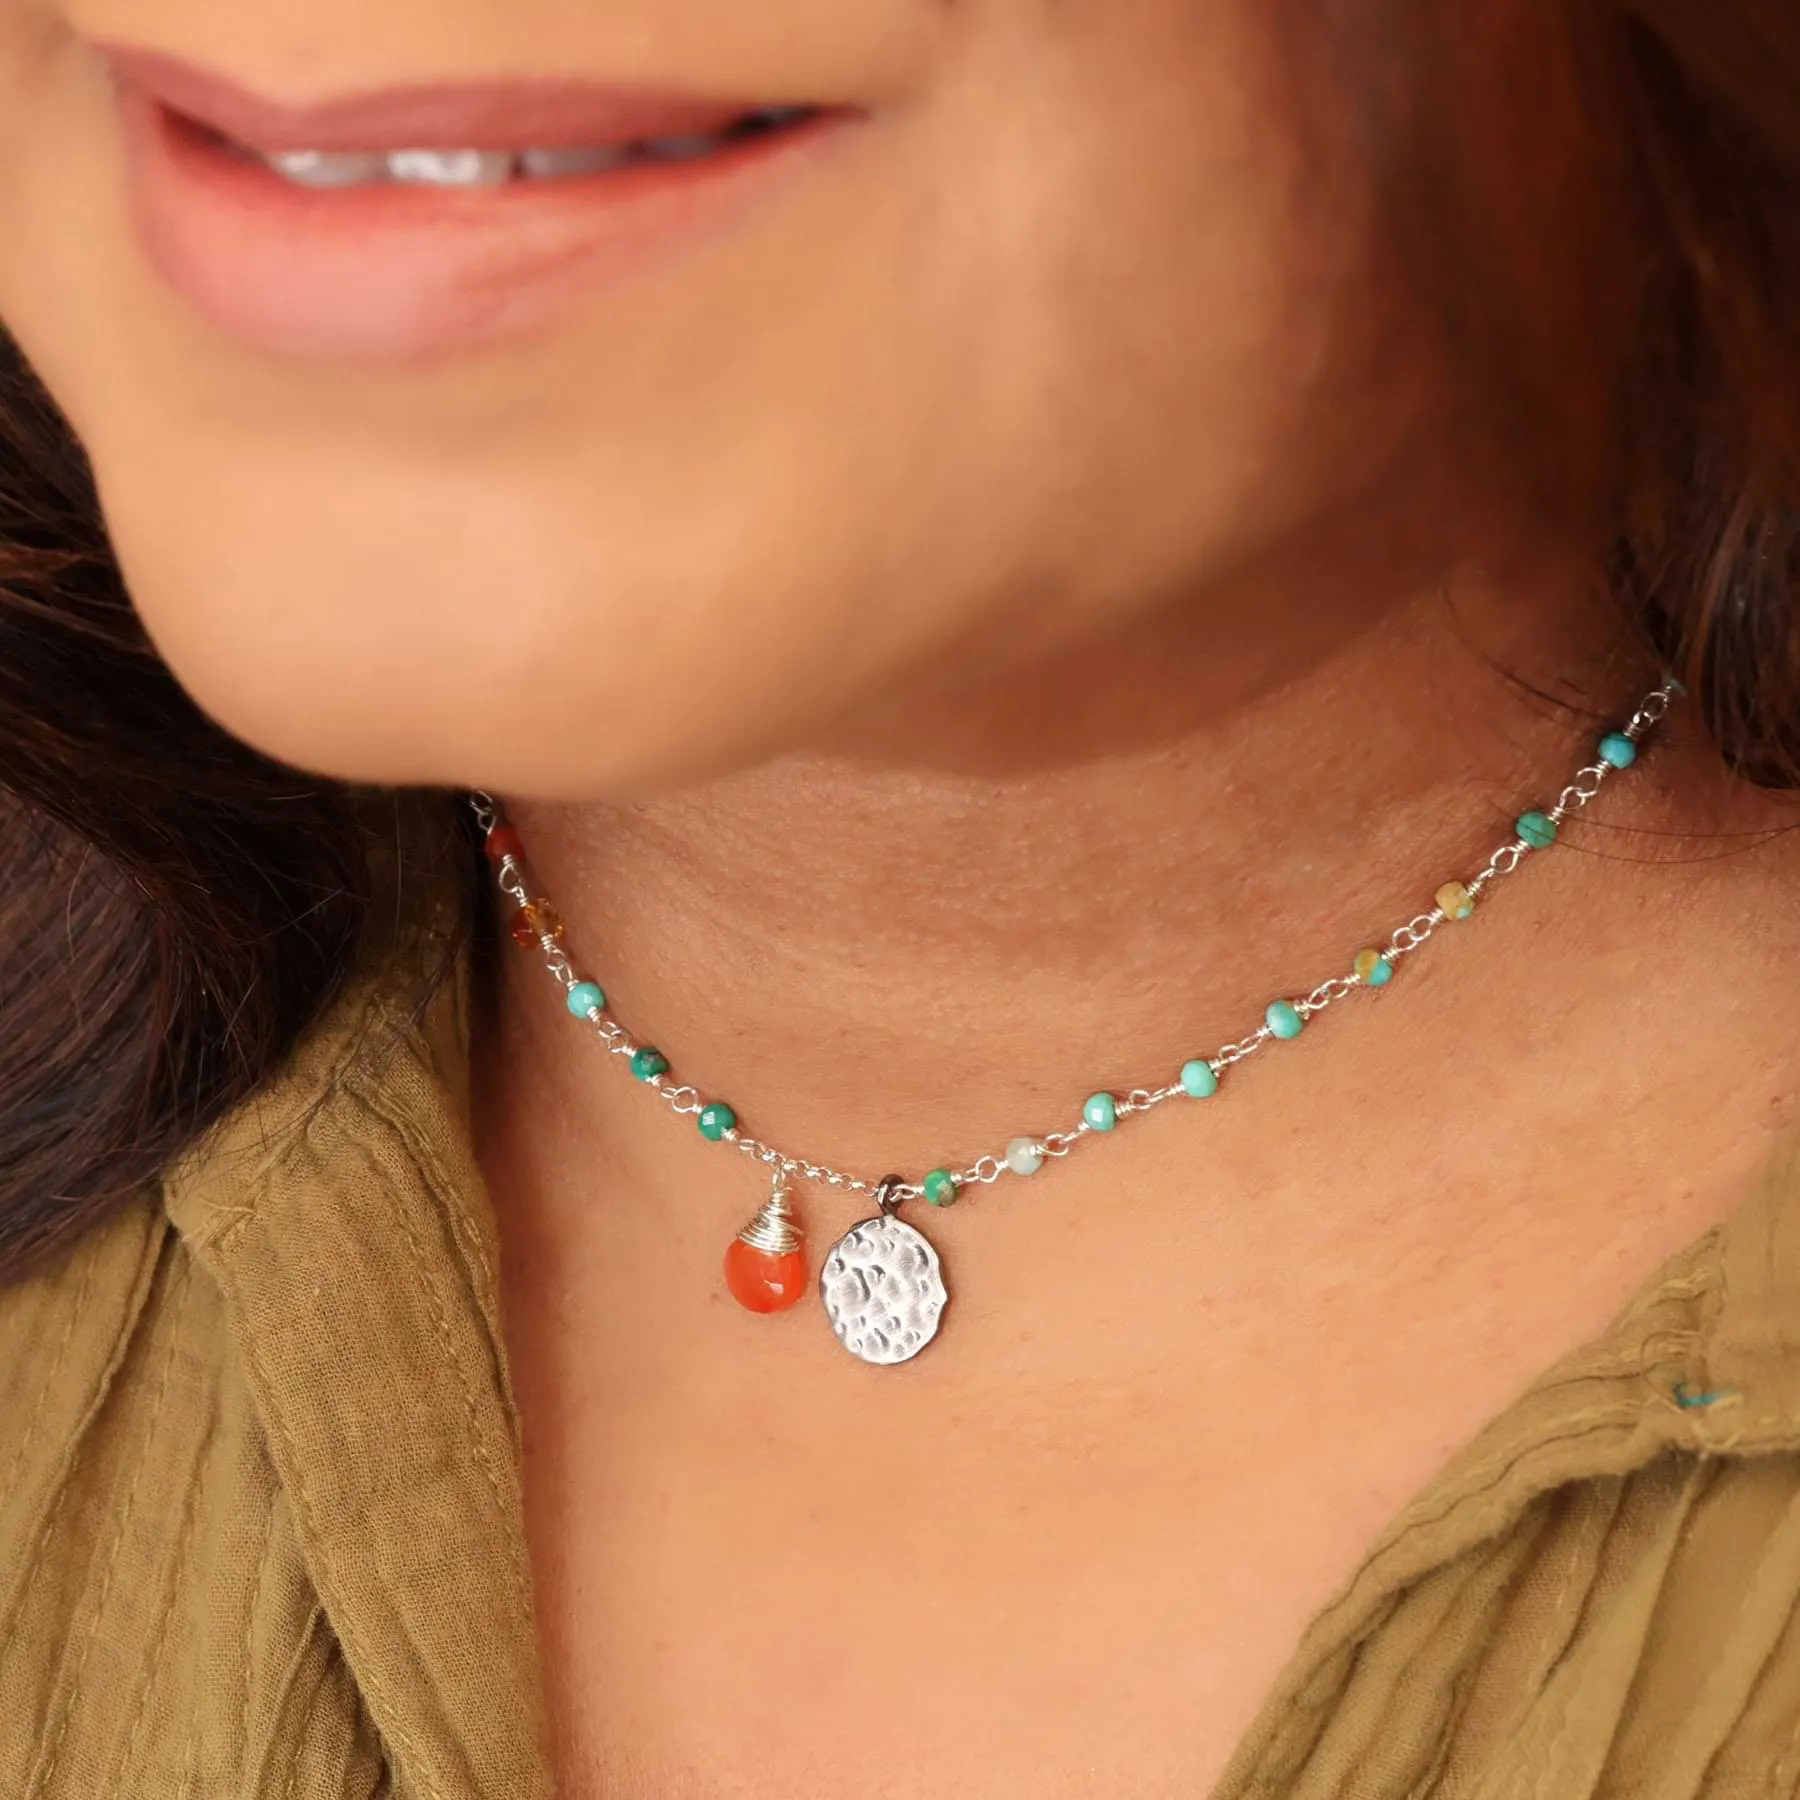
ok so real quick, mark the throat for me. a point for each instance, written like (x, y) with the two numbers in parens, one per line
(872, 953)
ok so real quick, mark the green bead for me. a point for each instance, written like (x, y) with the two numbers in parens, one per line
(941, 1188)
(1617, 750)
(647, 1064)
(1101, 1111)
(1198, 1078)
(715, 1120)
(1373, 969)
(1285, 1018)
(1537, 829)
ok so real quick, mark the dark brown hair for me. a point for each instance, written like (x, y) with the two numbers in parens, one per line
(1602, 201)
(175, 910)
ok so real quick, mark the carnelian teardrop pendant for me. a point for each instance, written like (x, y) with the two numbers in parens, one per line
(765, 1264)
(762, 1281)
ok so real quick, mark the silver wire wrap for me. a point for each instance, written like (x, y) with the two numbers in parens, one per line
(773, 1229)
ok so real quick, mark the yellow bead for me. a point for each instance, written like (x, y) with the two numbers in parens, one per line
(535, 921)
(1373, 969)
(1455, 901)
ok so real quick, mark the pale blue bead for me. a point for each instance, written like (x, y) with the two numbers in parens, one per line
(585, 997)
(1101, 1112)
(1198, 1078)
(1024, 1156)
(1284, 1018)
(1618, 750)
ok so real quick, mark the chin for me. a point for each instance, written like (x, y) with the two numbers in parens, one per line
(480, 684)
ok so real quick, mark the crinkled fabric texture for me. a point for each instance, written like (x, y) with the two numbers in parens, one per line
(260, 1528)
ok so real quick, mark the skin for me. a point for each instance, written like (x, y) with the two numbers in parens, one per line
(968, 640)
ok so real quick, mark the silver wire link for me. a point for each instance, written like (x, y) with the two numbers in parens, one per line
(512, 880)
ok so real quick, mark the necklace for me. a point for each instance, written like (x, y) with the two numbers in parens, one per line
(882, 1284)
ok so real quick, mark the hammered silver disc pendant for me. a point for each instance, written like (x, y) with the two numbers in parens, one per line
(883, 1288)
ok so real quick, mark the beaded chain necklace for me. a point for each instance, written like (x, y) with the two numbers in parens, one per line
(882, 1283)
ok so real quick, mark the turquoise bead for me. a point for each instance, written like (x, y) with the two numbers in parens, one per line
(1618, 750)
(941, 1188)
(1198, 1078)
(1284, 1019)
(1101, 1112)
(647, 1064)
(586, 997)
(1537, 829)
(715, 1120)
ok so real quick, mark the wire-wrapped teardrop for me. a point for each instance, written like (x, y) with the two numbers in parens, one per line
(765, 1265)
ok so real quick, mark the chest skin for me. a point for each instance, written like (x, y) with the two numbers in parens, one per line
(1071, 1548)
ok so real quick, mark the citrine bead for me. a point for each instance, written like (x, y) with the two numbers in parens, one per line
(764, 1281)
(535, 921)
(1373, 969)
(1454, 900)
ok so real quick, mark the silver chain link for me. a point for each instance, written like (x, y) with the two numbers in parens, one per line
(687, 1101)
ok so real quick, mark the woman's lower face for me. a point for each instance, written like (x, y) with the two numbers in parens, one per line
(580, 399)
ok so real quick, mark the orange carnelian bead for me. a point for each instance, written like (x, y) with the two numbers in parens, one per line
(503, 842)
(762, 1280)
(535, 921)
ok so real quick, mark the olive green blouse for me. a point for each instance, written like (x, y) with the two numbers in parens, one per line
(260, 1526)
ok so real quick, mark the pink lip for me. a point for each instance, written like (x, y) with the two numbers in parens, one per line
(399, 271)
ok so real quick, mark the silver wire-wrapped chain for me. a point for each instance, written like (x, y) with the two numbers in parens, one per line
(1535, 831)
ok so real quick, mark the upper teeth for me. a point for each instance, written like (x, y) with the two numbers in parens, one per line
(328, 168)
(487, 168)
(450, 168)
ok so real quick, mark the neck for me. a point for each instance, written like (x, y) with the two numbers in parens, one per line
(905, 946)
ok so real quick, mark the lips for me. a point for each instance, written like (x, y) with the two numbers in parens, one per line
(424, 220)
